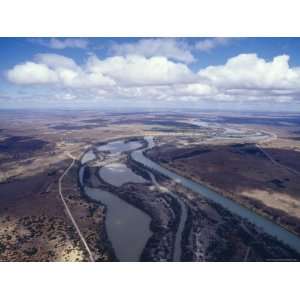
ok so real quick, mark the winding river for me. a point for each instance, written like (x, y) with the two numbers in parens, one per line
(267, 226)
(128, 227)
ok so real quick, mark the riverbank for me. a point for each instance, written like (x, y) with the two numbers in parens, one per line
(210, 232)
(274, 214)
(271, 228)
(161, 208)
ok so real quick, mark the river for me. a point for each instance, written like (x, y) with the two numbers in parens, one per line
(266, 225)
(128, 227)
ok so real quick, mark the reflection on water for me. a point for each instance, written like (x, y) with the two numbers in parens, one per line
(128, 228)
(119, 146)
(118, 174)
(88, 156)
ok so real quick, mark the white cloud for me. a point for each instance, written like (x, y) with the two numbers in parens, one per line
(248, 71)
(138, 70)
(68, 43)
(208, 44)
(129, 70)
(243, 78)
(59, 43)
(56, 61)
(167, 47)
(31, 73)
(199, 89)
(58, 69)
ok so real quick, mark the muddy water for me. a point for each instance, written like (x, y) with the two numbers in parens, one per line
(118, 174)
(269, 227)
(128, 228)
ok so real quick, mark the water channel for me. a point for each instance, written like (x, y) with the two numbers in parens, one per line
(266, 225)
(128, 228)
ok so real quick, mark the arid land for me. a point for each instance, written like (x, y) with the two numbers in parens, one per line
(35, 150)
(263, 176)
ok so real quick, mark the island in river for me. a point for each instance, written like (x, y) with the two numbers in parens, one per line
(152, 187)
(287, 244)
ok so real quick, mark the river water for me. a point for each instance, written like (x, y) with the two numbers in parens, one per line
(119, 146)
(88, 156)
(128, 228)
(118, 174)
(269, 227)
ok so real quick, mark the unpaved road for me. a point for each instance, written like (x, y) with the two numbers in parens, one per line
(68, 209)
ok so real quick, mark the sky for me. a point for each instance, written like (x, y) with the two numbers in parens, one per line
(151, 73)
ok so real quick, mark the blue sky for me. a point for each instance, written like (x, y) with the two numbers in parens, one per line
(14, 50)
(229, 73)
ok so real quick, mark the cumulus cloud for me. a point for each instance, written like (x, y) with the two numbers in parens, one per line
(31, 73)
(138, 70)
(58, 69)
(168, 47)
(56, 61)
(59, 43)
(129, 70)
(207, 45)
(199, 89)
(248, 71)
(242, 78)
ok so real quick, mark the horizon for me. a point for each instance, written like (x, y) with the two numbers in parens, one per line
(139, 110)
(238, 74)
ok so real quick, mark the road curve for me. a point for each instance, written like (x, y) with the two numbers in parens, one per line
(68, 209)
